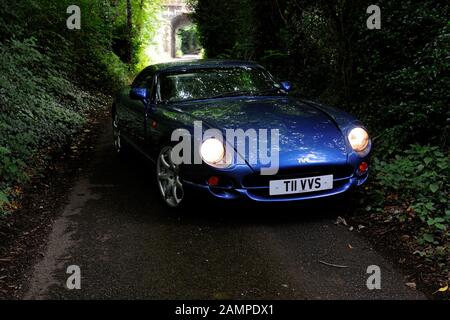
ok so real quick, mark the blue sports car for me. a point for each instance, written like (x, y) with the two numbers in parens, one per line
(228, 129)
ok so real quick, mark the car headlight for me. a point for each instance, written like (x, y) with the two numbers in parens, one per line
(359, 139)
(212, 151)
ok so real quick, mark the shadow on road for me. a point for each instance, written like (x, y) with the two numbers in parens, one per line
(128, 244)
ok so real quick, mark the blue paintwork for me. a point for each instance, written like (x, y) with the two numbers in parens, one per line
(286, 85)
(306, 133)
(313, 137)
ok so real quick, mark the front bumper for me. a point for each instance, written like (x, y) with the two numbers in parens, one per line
(248, 185)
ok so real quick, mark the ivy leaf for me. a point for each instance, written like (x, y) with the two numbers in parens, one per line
(428, 237)
(434, 187)
(3, 198)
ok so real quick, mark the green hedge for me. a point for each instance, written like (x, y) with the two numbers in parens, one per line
(49, 75)
(39, 108)
(417, 181)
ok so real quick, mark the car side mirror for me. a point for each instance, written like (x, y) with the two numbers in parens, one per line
(138, 93)
(286, 86)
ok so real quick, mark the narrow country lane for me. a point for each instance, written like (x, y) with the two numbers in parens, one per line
(128, 246)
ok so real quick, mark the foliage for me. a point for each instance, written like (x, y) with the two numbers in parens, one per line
(189, 42)
(39, 108)
(131, 48)
(418, 181)
(47, 72)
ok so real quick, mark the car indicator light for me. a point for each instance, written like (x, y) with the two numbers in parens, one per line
(363, 167)
(213, 181)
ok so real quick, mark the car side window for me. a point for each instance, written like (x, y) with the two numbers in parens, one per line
(141, 80)
(145, 80)
(151, 88)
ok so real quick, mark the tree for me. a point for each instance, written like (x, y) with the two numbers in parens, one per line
(129, 56)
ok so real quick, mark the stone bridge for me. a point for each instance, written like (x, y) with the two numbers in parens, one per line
(175, 15)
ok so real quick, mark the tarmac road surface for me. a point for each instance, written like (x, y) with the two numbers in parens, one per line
(129, 245)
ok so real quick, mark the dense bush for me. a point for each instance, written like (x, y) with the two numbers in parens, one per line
(417, 180)
(39, 108)
(49, 75)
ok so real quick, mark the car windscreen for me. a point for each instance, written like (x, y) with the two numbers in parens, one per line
(214, 83)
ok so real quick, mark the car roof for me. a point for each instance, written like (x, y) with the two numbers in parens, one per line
(200, 64)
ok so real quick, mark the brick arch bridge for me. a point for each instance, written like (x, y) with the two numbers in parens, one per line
(175, 15)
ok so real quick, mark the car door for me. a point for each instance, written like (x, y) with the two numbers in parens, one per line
(134, 112)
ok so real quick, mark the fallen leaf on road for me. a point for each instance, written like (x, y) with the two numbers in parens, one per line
(340, 220)
(350, 246)
(443, 289)
(412, 285)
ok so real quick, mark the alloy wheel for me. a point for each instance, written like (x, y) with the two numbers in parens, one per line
(168, 178)
(116, 134)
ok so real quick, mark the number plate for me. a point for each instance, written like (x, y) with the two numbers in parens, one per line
(302, 185)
